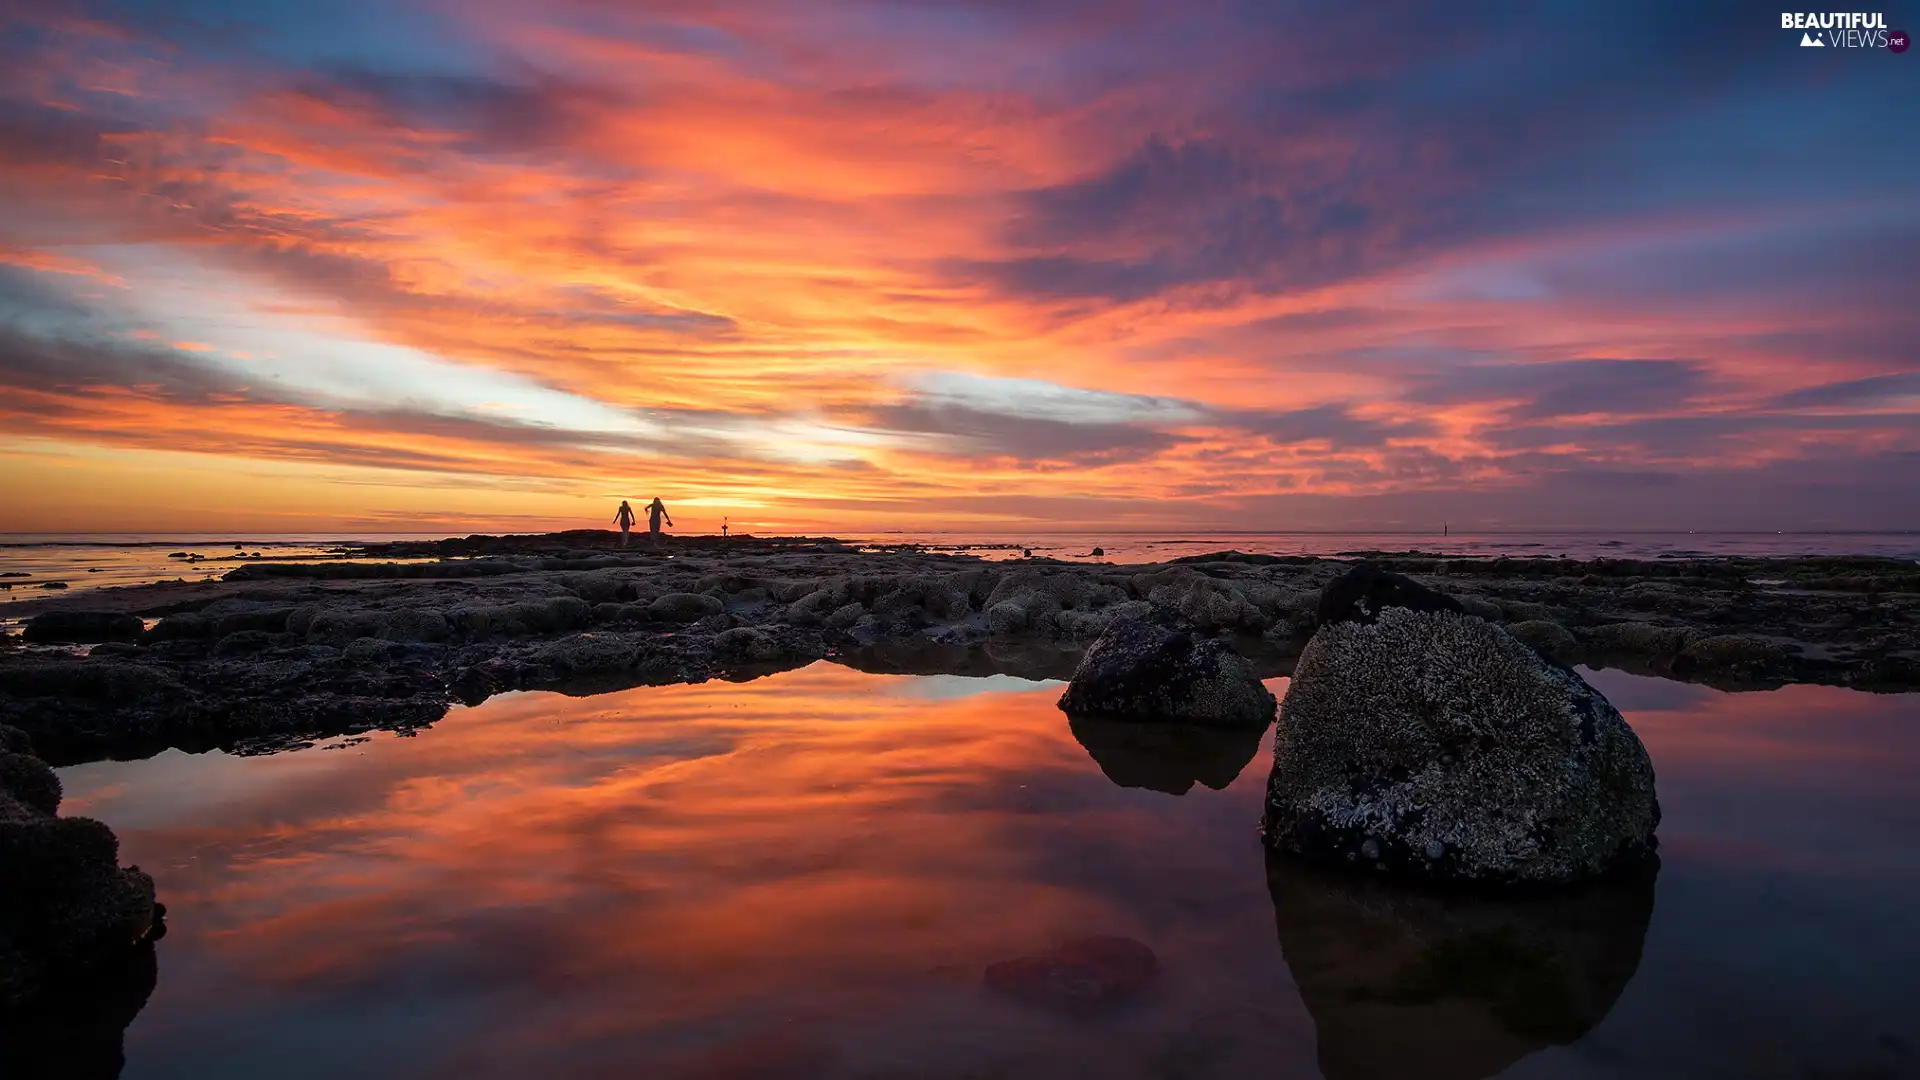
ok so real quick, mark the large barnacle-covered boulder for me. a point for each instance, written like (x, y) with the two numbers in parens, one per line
(1434, 745)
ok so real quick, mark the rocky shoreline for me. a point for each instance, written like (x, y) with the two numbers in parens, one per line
(277, 654)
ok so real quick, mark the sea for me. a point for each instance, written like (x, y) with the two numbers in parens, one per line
(79, 561)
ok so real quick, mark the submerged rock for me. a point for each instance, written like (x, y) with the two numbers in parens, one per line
(81, 627)
(1434, 745)
(1419, 984)
(1084, 975)
(66, 905)
(1141, 670)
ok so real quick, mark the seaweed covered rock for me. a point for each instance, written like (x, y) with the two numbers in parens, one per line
(67, 907)
(1434, 745)
(1146, 670)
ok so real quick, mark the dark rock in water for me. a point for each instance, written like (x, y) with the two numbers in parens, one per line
(1435, 746)
(53, 584)
(1360, 594)
(77, 1030)
(67, 908)
(1085, 975)
(1142, 670)
(1421, 984)
(1167, 757)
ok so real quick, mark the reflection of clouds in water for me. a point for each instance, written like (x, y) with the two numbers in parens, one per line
(652, 875)
(810, 871)
(951, 687)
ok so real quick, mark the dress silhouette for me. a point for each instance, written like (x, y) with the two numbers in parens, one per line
(655, 511)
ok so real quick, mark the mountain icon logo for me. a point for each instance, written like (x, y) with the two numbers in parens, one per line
(1808, 41)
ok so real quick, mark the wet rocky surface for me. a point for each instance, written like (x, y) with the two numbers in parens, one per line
(70, 914)
(278, 654)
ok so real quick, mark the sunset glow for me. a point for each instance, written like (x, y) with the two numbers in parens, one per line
(822, 264)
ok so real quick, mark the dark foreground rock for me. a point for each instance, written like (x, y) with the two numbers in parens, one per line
(1422, 984)
(82, 627)
(1141, 670)
(77, 1029)
(1435, 746)
(1360, 594)
(67, 907)
(1087, 975)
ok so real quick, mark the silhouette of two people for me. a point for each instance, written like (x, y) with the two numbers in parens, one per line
(625, 517)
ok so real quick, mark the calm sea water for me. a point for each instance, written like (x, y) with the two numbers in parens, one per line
(87, 561)
(805, 876)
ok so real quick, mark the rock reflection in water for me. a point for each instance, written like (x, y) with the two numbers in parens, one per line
(1166, 757)
(78, 1032)
(1407, 983)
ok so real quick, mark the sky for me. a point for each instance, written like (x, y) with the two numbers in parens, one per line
(974, 265)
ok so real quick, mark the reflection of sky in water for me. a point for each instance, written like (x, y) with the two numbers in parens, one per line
(804, 875)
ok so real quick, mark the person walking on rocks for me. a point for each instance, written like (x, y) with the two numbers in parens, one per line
(655, 511)
(624, 519)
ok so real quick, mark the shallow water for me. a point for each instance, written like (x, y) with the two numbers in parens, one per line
(806, 875)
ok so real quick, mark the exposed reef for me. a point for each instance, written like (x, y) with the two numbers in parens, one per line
(279, 653)
(68, 910)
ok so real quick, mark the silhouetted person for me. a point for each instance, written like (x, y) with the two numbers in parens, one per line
(723, 528)
(624, 519)
(655, 511)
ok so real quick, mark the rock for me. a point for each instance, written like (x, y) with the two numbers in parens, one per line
(81, 627)
(747, 643)
(77, 1029)
(66, 906)
(1085, 975)
(1008, 617)
(1208, 604)
(1547, 638)
(685, 607)
(1730, 654)
(587, 654)
(1481, 606)
(1168, 758)
(416, 624)
(1520, 611)
(30, 780)
(1360, 594)
(1452, 984)
(1142, 670)
(1644, 639)
(1430, 727)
